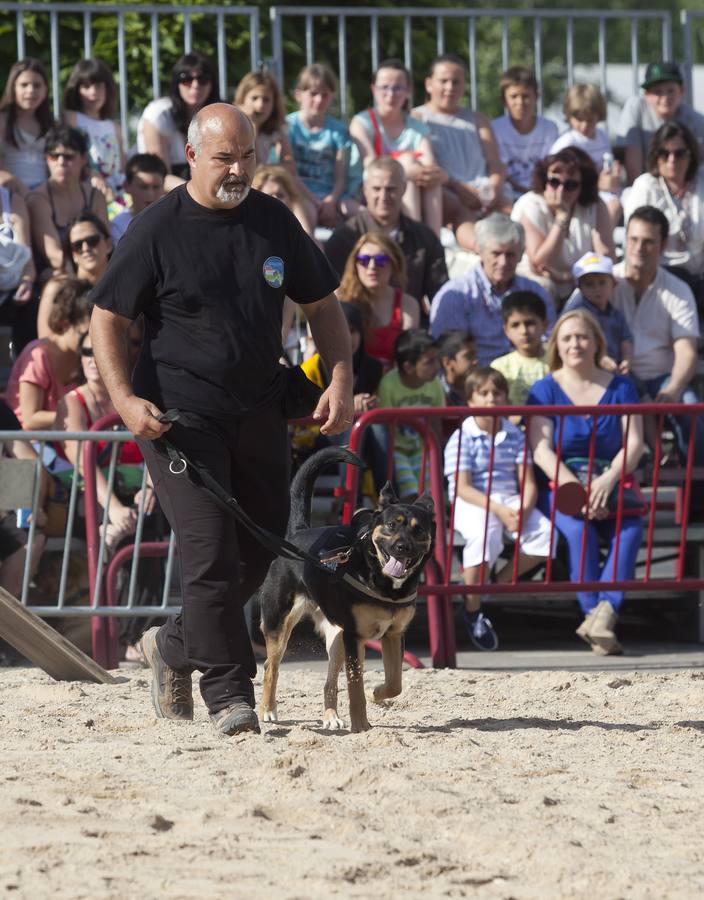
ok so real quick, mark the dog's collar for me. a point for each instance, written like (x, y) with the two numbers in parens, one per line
(376, 596)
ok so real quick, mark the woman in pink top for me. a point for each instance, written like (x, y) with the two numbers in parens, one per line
(48, 368)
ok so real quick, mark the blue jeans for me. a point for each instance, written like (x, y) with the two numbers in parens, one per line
(572, 529)
(681, 425)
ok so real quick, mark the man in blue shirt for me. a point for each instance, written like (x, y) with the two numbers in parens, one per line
(473, 301)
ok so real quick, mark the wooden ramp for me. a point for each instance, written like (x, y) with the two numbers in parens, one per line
(48, 649)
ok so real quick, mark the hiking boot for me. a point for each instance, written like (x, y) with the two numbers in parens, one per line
(480, 630)
(601, 631)
(172, 694)
(236, 718)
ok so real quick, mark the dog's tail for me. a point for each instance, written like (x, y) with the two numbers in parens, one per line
(304, 481)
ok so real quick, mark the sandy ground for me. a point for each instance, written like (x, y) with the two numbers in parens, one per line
(472, 784)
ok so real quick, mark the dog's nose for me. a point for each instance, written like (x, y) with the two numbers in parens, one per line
(401, 548)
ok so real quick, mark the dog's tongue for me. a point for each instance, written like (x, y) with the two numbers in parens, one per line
(394, 568)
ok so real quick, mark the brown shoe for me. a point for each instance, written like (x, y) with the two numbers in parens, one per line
(172, 693)
(235, 719)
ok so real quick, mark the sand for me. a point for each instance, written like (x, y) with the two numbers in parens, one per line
(509, 785)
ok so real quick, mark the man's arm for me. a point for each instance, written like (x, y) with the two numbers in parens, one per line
(108, 334)
(683, 370)
(332, 340)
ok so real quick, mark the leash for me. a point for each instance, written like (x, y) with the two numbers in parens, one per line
(180, 464)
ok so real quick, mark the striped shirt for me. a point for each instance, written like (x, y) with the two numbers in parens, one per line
(475, 450)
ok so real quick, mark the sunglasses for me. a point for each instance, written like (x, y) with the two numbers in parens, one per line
(92, 240)
(67, 156)
(187, 78)
(380, 259)
(679, 153)
(570, 184)
(87, 352)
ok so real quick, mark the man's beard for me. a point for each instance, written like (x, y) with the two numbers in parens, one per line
(232, 189)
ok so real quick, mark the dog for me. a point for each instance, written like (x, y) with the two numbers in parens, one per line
(368, 593)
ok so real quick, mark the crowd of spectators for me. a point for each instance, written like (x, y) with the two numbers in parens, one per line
(542, 308)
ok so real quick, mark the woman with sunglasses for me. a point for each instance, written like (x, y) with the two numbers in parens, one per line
(163, 124)
(373, 280)
(62, 197)
(563, 218)
(86, 250)
(674, 184)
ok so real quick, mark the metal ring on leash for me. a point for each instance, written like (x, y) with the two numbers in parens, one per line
(174, 466)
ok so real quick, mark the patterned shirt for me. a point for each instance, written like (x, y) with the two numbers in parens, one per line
(475, 450)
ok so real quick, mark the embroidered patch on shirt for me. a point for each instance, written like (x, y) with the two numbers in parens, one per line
(273, 270)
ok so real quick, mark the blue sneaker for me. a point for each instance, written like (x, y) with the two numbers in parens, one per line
(480, 630)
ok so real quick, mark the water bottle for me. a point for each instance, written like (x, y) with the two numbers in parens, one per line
(607, 162)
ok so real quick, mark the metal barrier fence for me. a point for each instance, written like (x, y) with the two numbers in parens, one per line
(440, 587)
(692, 22)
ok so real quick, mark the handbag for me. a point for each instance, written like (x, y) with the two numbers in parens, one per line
(633, 501)
(300, 395)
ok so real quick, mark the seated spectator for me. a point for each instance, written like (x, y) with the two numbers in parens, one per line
(387, 129)
(471, 172)
(61, 198)
(662, 101)
(145, 175)
(383, 188)
(563, 218)
(473, 302)
(48, 368)
(661, 313)
(375, 265)
(90, 100)
(584, 107)
(523, 137)
(17, 272)
(457, 353)
(162, 127)
(525, 323)
(674, 184)
(321, 147)
(575, 347)
(595, 288)
(470, 480)
(413, 382)
(259, 96)
(87, 246)
(25, 118)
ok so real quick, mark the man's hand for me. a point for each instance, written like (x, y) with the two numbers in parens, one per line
(142, 418)
(336, 408)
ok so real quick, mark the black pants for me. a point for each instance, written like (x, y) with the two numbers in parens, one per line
(250, 458)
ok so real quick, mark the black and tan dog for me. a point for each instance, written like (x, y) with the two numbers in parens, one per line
(368, 593)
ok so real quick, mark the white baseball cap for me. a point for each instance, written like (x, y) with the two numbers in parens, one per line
(592, 264)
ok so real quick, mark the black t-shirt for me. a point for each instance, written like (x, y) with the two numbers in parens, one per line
(211, 285)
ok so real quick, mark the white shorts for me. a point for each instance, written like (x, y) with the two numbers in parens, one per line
(469, 521)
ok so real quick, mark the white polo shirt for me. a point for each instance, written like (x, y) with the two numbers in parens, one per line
(666, 311)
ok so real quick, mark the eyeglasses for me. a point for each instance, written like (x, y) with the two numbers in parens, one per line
(679, 153)
(569, 184)
(188, 78)
(68, 156)
(380, 259)
(391, 88)
(87, 352)
(92, 240)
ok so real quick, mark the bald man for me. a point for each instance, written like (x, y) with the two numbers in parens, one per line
(208, 266)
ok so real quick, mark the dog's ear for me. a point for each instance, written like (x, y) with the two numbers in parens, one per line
(387, 496)
(361, 519)
(426, 503)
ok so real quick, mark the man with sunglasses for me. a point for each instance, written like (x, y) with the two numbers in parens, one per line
(209, 267)
(662, 101)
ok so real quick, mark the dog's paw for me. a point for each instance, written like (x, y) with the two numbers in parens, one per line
(358, 727)
(270, 715)
(377, 696)
(332, 721)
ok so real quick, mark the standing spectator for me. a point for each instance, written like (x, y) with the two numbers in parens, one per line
(387, 129)
(87, 246)
(89, 102)
(662, 315)
(163, 124)
(525, 322)
(25, 118)
(563, 217)
(383, 187)
(61, 198)
(321, 147)
(674, 184)
(576, 379)
(145, 174)
(473, 302)
(471, 171)
(662, 101)
(375, 265)
(524, 137)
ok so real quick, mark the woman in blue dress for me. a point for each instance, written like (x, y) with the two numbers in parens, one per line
(576, 379)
